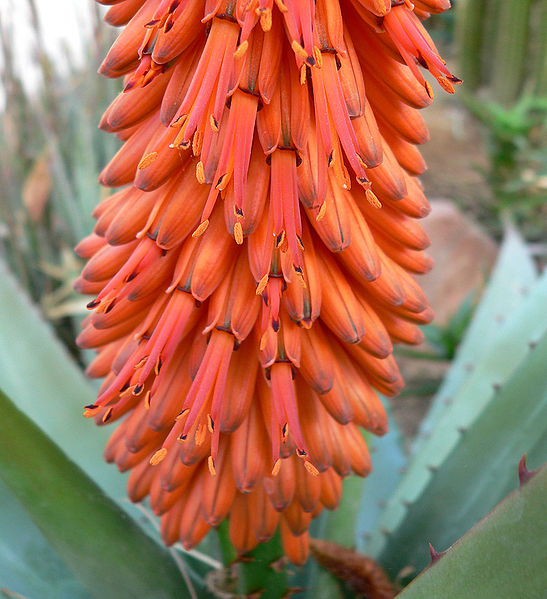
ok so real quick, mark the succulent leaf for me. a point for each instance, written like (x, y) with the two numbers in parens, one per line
(36, 365)
(28, 564)
(511, 278)
(389, 463)
(113, 559)
(496, 558)
(511, 355)
(480, 469)
(47, 384)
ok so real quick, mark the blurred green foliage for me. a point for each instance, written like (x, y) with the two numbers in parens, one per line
(502, 52)
(517, 147)
(52, 153)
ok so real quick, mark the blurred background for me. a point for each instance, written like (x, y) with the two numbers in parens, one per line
(487, 175)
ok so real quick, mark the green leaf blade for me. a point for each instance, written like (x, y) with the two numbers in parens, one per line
(513, 275)
(389, 461)
(48, 386)
(512, 350)
(503, 556)
(100, 543)
(28, 564)
(480, 470)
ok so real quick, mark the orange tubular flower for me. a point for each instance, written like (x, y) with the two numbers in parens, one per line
(256, 265)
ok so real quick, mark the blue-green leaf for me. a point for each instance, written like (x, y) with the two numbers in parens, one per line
(481, 468)
(48, 386)
(523, 327)
(108, 552)
(503, 556)
(28, 564)
(511, 279)
(389, 461)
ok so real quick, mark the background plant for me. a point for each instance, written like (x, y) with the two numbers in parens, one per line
(503, 60)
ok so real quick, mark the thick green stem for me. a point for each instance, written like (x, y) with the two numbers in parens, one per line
(263, 572)
(226, 548)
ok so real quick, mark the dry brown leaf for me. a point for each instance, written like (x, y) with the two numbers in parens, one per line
(37, 187)
(361, 574)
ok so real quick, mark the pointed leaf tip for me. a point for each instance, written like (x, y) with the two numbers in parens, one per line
(435, 555)
(524, 474)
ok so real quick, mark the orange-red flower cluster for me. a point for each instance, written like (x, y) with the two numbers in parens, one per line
(256, 265)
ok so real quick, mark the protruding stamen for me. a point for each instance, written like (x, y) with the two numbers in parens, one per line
(446, 85)
(241, 49)
(214, 124)
(107, 415)
(262, 285)
(322, 212)
(184, 413)
(91, 410)
(282, 7)
(299, 51)
(311, 468)
(265, 18)
(372, 199)
(200, 172)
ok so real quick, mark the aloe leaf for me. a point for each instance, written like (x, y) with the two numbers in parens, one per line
(51, 389)
(48, 386)
(503, 556)
(105, 549)
(340, 527)
(195, 565)
(526, 325)
(481, 468)
(512, 277)
(28, 564)
(389, 461)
